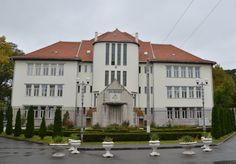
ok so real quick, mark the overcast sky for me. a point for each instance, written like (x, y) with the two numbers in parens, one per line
(33, 24)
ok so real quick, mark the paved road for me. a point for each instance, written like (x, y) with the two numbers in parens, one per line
(18, 152)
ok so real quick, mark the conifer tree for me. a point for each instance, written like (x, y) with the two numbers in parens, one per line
(57, 129)
(17, 131)
(43, 129)
(9, 120)
(29, 131)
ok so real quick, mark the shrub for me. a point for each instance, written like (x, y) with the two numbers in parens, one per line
(187, 139)
(57, 139)
(17, 131)
(43, 129)
(125, 124)
(50, 127)
(1, 121)
(154, 136)
(96, 126)
(107, 139)
(57, 129)
(9, 120)
(29, 131)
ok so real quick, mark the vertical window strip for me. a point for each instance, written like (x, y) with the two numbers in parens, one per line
(118, 76)
(112, 76)
(106, 78)
(107, 53)
(125, 78)
(125, 54)
(118, 54)
(113, 46)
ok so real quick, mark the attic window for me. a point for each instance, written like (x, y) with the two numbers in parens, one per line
(145, 53)
(88, 52)
(55, 52)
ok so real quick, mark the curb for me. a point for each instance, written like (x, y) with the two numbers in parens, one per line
(226, 139)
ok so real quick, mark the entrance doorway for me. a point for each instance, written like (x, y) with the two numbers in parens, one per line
(115, 114)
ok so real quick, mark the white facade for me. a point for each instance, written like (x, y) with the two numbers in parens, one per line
(174, 100)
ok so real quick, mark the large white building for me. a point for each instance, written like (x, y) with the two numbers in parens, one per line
(111, 70)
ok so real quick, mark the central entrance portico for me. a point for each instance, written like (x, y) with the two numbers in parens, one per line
(114, 106)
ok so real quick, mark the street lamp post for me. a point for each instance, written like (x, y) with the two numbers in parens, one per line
(201, 84)
(82, 84)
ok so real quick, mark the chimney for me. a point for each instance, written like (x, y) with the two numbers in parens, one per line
(136, 37)
(96, 36)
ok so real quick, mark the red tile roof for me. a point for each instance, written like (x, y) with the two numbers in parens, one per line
(60, 50)
(116, 36)
(84, 50)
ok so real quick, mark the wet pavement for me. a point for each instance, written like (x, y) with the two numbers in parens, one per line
(19, 152)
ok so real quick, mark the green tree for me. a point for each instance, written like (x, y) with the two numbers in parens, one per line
(17, 131)
(7, 50)
(43, 129)
(57, 129)
(216, 129)
(9, 120)
(1, 121)
(29, 131)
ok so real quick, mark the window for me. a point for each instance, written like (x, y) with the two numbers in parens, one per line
(190, 72)
(176, 71)
(79, 68)
(53, 69)
(169, 113)
(119, 54)
(36, 90)
(176, 92)
(112, 76)
(197, 72)
(85, 68)
(106, 78)
(191, 92)
(125, 54)
(184, 113)
(151, 69)
(52, 90)
(139, 89)
(151, 90)
(107, 53)
(84, 90)
(28, 89)
(50, 112)
(184, 92)
(139, 69)
(59, 90)
(177, 113)
(113, 46)
(61, 69)
(30, 69)
(78, 89)
(168, 71)
(198, 92)
(45, 69)
(118, 76)
(169, 92)
(91, 89)
(37, 69)
(145, 111)
(199, 112)
(183, 72)
(42, 111)
(124, 78)
(36, 113)
(145, 90)
(192, 114)
(44, 90)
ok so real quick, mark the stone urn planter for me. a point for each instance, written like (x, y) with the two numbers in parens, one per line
(75, 144)
(187, 143)
(154, 143)
(58, 149)
(206, 142)
(107, 144)
(71, 147)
